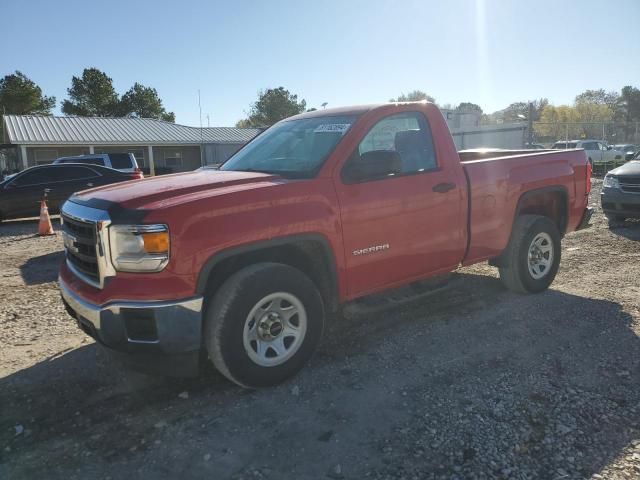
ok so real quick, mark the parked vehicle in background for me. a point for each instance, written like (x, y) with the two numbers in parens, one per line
(245, 262)
(620, 196)
(628, 150)
(125, 162)
(20, 195)
(601, 156)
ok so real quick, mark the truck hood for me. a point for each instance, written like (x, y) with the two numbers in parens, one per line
(629, 168)
(164, 190)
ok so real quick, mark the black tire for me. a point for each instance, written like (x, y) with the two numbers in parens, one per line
(227, 313)
(514, 269)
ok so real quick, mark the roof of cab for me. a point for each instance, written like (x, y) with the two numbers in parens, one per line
(356, 110)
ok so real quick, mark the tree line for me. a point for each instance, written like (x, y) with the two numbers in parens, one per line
(90, 95)
(93, 94)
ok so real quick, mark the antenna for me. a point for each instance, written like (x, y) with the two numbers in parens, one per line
(208, 125)
(201, 139)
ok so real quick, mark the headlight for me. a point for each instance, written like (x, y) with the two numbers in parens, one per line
(139, 248)
(610, 182)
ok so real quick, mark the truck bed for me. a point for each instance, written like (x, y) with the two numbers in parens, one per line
(498, 179)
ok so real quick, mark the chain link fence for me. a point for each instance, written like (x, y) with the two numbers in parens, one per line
(614, 133)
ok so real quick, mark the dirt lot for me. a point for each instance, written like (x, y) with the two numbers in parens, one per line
(471, 382)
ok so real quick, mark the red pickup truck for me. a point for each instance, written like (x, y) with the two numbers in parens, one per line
(243, 264)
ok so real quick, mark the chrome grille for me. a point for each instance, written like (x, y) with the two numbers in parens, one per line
(629, 184)
(80, 241)
(85, 231)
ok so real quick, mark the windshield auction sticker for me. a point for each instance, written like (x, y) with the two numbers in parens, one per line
(332, 128)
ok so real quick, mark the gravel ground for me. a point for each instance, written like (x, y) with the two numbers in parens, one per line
(468, 382)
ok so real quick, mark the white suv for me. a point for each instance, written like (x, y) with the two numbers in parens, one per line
(125, 162)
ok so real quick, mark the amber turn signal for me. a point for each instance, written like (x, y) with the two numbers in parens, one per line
(156, 242)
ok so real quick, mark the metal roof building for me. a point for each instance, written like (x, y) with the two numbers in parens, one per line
(158, 145)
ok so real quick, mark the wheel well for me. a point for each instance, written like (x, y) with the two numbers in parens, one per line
(312, 257)
(548, 202)
(551, 202)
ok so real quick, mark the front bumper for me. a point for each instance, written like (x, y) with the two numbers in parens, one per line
(157, 336)
(616, 202)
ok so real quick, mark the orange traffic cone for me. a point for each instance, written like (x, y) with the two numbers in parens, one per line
(45, 227)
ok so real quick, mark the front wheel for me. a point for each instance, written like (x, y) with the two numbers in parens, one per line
(263, 324)
(532, 258)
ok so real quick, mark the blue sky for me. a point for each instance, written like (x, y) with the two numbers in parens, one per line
(490, 52)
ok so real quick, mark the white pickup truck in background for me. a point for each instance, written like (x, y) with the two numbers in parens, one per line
(600, 154)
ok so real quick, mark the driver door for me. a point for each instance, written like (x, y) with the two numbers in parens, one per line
(405, 225)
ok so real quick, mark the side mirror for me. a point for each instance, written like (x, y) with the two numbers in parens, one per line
(609, 147)
(373, 165)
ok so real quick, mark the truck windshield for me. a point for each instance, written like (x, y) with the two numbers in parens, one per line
(293, 149)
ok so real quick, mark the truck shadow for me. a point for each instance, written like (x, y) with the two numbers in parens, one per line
(42, 269)
(462, 348)
(629, 229)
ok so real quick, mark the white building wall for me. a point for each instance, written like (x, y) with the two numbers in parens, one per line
(509, 136)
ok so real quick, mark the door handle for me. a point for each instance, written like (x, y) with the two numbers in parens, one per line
(443, 187)
(89, 184)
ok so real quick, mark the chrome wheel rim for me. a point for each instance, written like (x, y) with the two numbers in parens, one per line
(540, 257)
(274, 329)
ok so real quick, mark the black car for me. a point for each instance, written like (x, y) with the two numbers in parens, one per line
(20, 194)
(620, 195)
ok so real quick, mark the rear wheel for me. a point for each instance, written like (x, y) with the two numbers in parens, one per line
(263, 324)
(532, 258)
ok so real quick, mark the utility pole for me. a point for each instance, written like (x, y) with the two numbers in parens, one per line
(201, 138)
(530, 124)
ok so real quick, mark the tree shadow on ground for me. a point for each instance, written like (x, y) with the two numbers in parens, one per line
(42, 269)
(511, 368)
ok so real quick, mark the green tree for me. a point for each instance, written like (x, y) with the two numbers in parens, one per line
(512, 112)
(553, 120)
(91, 95)
(599, 97)
(629, 112)
(468, 107)
(244, 123)
(19, 95)
(144, 102)
(415, 96)
(273, 105)
(584, 120)
(629, 102)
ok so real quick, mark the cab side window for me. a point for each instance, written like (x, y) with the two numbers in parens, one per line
(400, 144)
